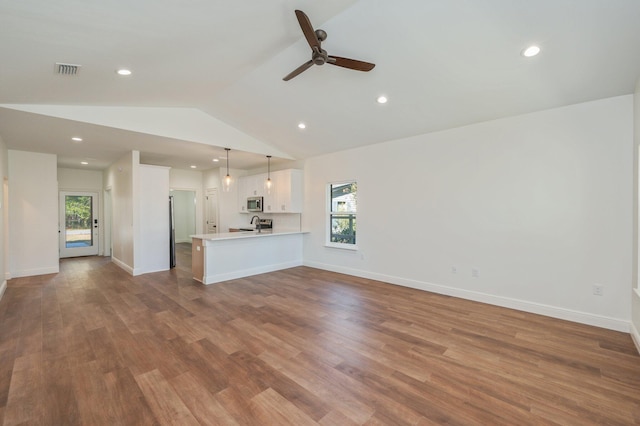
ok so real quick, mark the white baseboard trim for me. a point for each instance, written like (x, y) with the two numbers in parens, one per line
(635, 336)
(37, 271)
(139, 271)
(506, 302)
(216, 278)
(7, 276)
(122, 265)
(186, 240)
(3, 288)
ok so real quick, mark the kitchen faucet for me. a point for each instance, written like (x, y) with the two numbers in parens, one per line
(258, 227)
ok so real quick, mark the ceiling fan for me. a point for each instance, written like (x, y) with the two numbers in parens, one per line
(319, 56)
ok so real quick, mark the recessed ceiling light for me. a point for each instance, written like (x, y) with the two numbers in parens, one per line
(76, 139)
(84, 163)
(302, 126)
(215, 160)
(193, 167)
(123, 71)
(530, 51)
(382, 99)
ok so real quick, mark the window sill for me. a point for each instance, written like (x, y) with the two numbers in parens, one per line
(350, 247)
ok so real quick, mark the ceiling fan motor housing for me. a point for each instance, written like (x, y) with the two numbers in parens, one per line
(320, 58)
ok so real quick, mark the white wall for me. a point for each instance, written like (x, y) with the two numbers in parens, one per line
(4, 217)
(539, 204)
(152, 239)
(79, 180)
(140, 214)
(85, 181)
(635, 294)
(33, 214)
(118, 180)
(211, 179)
(188, 180)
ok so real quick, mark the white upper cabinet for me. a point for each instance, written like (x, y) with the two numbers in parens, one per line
(288, 185)
(243, 190)
(285, 195)
(249, 186)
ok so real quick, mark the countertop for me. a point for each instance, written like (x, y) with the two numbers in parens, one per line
(244, 234)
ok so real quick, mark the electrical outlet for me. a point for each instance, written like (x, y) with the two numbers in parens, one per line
(475, 273)
(598, 290)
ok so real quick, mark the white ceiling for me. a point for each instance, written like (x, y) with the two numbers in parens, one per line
(441, 63)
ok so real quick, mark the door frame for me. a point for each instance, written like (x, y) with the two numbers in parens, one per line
(211, 192)
(92, 250)
(107, 214)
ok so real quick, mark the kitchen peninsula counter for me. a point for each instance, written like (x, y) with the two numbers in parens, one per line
(231, 255)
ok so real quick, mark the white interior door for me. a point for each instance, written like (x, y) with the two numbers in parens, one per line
(78, 226)
(211, 211)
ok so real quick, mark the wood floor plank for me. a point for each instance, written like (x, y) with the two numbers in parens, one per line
(7, 358)
(91, 394)
(94, 345)
(337, 390)
(127, 401)
(274, 409)
(165, 403)
(269, 377)
(58, 381)
(209, 366)
(235, 403)
(25, 399)
(202, 404)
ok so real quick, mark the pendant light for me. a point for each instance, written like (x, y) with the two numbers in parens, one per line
(226, 182)
(268, 183)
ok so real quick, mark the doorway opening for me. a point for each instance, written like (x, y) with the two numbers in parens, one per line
(184, 224)
(211, 211)
(78, 227)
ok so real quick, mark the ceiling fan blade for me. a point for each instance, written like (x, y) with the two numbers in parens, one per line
(298, 70)
(307, 30)
(350, 63)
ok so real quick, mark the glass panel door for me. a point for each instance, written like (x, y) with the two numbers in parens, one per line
(78, 224)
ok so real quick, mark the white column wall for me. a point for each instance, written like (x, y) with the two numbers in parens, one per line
(4, 218)
(635, 292)
(538, 204)
(118, 179)
(152, 239)
(33, 214)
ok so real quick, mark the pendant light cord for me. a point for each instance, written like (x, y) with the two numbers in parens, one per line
(268, 167)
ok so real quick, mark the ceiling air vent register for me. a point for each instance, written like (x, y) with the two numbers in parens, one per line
(67, 69)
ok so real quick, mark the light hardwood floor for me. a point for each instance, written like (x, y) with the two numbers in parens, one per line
(95, 346)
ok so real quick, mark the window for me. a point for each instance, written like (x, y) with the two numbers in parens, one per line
(342, 213)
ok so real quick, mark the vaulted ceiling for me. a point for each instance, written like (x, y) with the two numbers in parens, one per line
(207, 74)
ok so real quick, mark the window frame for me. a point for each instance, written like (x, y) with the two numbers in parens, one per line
(330, 214)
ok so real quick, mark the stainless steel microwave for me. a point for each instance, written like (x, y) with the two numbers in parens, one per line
(254, 204)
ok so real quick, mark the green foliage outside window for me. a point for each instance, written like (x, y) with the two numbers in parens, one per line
(343, 213)
(78, 211)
